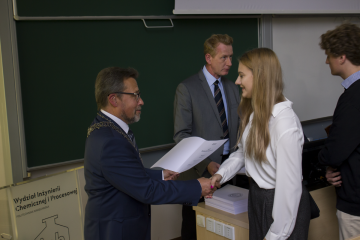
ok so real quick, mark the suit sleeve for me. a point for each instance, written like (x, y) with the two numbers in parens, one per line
(154, 174)
(341, 141)
(122, 168)
(183, 121)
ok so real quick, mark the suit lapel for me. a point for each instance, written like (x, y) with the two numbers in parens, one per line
(102, 118)
(209, 95)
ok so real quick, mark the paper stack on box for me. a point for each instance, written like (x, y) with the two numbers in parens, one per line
(230, 199)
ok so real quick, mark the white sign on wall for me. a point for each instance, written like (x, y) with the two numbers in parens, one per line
(48, 208)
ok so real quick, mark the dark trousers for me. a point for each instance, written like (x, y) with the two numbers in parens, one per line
(188, 227)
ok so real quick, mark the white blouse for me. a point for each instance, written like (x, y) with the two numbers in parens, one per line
(282, 172)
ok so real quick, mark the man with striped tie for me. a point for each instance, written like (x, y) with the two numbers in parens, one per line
(206, 106)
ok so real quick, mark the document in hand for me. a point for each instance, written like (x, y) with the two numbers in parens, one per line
(187, 153)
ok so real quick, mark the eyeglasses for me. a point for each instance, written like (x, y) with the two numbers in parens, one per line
(137, 95)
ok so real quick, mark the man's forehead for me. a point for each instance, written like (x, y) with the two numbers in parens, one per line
(131, 83)
(224, 49)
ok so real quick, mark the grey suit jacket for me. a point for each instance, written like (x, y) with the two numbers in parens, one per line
(196, 114)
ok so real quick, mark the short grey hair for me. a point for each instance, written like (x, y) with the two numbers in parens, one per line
(110, 80)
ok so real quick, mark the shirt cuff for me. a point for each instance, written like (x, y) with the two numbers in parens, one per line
(162, 174)
(221, 172)
(272, 236)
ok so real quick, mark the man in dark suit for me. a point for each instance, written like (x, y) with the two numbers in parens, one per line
(206, 106)
(119, 188)
(342, 148)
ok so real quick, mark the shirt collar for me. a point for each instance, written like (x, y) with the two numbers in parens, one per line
(119, 122)
(210, 78)
(350, 80)
(281, 106)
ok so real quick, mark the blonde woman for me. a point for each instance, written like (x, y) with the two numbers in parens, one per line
(270, 147)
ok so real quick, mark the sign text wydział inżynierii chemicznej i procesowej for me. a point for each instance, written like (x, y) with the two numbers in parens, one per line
(40, 198)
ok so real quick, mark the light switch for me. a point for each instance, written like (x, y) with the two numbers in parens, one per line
(219, 228)
(229, 232)
(210, 225)
(200, 221)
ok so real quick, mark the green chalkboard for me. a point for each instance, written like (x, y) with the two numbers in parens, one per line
(59, 61)
(94, 7)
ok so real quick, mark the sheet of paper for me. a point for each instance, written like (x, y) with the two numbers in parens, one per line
(187, 153)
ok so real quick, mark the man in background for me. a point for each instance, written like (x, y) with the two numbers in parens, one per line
(119, 188)
(342, 148)
(206, 106)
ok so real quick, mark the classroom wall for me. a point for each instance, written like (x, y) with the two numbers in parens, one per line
(5, 157)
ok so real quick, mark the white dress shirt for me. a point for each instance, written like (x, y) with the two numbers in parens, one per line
(283, 171)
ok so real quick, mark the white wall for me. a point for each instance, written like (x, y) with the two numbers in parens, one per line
(308, 80)
(265, 6)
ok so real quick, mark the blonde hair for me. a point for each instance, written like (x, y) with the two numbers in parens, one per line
(212, 42)
(266, 92)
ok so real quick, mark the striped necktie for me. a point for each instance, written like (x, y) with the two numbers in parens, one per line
(220, 106)
(132, 137)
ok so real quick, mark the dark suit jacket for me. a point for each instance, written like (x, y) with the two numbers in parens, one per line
(196, 114)
(120, 189)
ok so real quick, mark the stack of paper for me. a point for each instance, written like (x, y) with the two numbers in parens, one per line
(230, 199)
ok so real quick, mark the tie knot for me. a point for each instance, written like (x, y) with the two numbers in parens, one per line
(216, 82)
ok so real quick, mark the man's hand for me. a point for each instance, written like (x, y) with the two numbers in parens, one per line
(334, 178)
(206, 187)
(215, 181)
(170, 175)
(213, 167)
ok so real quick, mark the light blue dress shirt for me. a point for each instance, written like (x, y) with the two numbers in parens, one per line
(211, 79)
(350, 80)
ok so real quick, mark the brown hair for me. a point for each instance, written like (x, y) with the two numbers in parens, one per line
(266, 92)
(110, 80)
(343, 40)
(212, 42)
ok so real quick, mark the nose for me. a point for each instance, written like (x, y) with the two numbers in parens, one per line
(327, 61)
(141, 102)
(228, 61)
(238, 81)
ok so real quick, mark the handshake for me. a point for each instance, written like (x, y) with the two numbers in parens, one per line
(208, 185)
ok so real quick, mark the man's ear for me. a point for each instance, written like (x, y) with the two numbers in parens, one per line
(342, 59)
(112, 100)
(208, 58)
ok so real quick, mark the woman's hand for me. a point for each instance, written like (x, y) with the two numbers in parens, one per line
(215, 182)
